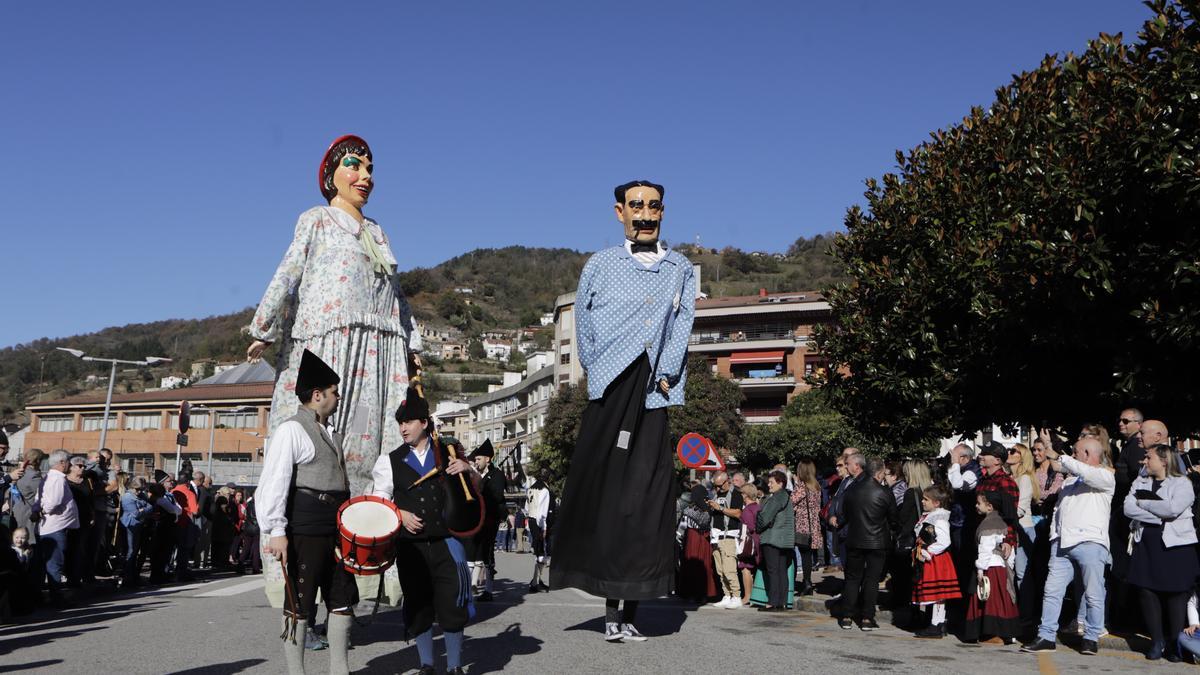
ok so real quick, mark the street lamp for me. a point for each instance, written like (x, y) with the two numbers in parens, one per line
(212, 429)
(112, 377)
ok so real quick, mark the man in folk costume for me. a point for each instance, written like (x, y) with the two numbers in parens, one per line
(302, 486)
(430, 561)
(483, 560)
(538, 502)
(633, 314)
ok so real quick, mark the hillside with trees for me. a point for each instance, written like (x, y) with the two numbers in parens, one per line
(478, 291)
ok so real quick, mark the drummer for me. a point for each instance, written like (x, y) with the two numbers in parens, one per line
(299, 513)
(431, 563)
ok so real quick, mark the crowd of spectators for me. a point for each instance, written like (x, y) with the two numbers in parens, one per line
(76, 521)
(993, 544)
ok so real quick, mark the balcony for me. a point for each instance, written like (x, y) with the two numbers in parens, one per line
(766, 415)
(781, 382)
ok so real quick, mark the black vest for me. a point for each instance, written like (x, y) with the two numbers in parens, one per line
(427, 500)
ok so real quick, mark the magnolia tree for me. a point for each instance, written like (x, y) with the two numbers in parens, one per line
(1039, 260)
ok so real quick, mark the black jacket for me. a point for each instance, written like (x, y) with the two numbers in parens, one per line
(427, 500)
(493, 496)
(870, 514)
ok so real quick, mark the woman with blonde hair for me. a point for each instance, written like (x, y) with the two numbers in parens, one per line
(917, 477)
(748, 556)
(806, 504)
(1020, 463)
(1100, 433)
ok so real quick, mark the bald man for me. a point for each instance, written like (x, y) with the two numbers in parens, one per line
(1078, 537)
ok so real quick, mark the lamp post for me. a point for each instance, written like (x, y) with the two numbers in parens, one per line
(112, 376)
(212, 426)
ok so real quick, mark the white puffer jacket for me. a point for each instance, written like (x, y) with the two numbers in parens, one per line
(1084, 504)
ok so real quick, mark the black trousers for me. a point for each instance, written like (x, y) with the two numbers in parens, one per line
(432, 587)
(776, 560)
(864, 568)
(311, 566)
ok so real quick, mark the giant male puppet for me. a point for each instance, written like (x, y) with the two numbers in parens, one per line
(633, 313)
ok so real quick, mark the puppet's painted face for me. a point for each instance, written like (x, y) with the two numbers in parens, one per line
(641, 214)
(352, 180)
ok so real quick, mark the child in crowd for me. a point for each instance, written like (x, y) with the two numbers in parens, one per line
(993, 602)
(934, 578)
(20, 545)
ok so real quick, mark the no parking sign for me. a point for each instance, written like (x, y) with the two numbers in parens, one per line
(699, 453)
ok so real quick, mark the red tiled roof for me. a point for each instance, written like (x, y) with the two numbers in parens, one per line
(208, 392)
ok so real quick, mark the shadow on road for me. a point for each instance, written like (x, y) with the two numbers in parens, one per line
(652, 620)
(480, 655)
(219, 668)
(32, 665)
(66, 627)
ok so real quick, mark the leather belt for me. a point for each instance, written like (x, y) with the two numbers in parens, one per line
(328, 498)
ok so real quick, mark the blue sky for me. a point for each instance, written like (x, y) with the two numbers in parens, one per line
(157, 156)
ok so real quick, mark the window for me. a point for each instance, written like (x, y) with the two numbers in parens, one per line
(565, 359)
(136, 421)
(198, 420)
(238, 420)
(57, 423)
(94, 422)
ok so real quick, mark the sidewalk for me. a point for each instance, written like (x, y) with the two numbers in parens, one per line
(822, 602)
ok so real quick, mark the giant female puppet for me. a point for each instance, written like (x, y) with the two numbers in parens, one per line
(336, 294)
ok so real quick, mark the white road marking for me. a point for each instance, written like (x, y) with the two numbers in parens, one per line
(236, 589)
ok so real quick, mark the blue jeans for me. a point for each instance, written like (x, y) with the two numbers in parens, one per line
(133, 541)
(1091, 559)
(1190, 643)
(53, 550)
(1024, 550)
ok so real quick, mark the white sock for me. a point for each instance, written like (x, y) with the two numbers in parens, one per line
(338, 632)
(939, 614)
(294, 653)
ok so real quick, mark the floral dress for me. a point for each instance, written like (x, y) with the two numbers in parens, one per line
(806, 504)
(327, 297)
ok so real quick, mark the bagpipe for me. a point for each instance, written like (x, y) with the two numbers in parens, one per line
(464, 509)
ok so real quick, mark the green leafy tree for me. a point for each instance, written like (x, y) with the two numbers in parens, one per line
(563, 417)
(710, 407)
(476, 350)
(1039, 259)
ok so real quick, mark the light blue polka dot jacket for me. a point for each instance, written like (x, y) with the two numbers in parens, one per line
(623, 309)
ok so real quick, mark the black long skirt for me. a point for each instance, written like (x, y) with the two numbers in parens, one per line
(614, 534)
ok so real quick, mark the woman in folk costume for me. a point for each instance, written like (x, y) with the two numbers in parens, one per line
(934, 578)
(336, 294)
(992, 608)
(695, 580)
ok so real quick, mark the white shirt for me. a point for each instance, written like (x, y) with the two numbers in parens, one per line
(1084, 504)
(58, 506)
(384, 485)
(959, 478)
(647, 258)
(290, 445)
(940, 519)
(538, 505)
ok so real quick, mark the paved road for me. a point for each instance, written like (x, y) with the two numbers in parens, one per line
(225, 626)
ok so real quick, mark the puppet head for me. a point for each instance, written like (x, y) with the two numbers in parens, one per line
(640, 208)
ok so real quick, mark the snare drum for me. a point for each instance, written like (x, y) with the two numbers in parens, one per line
(367, 525)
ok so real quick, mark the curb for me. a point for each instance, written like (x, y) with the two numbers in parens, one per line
(820, 604)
